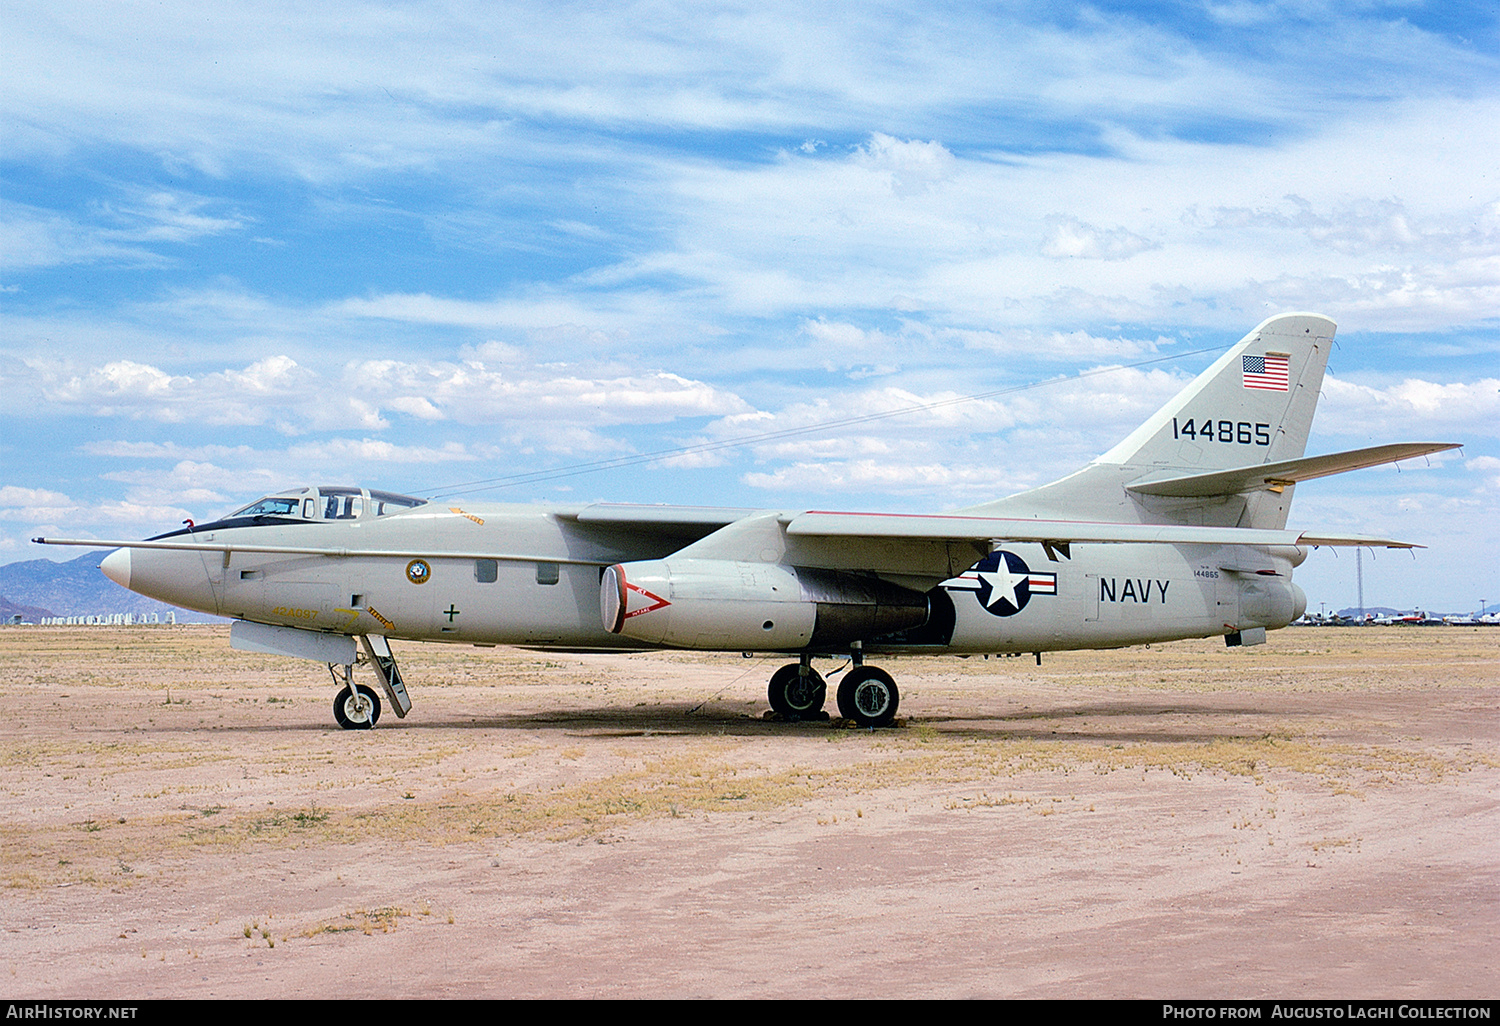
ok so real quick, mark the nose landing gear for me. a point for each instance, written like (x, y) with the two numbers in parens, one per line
(358, 709)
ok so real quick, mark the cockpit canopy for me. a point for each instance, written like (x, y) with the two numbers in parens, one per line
(328, 503)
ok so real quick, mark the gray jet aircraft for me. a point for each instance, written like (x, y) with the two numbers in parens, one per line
(1179, 531)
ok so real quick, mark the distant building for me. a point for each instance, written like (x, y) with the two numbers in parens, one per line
(107, 620)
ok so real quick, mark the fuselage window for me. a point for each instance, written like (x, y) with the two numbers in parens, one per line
(342, 507)
(389, 502)
(547, 573)
(273, 507)
(486, 570)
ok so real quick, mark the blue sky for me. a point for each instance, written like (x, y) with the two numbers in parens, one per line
(414, 245)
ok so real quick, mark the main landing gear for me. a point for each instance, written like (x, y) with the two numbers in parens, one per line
(867, 694)
(797, 691)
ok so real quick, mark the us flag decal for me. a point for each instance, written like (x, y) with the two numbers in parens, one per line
(1269, 373)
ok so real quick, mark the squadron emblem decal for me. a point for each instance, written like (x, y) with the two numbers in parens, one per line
(418, 572)
(1003, 582)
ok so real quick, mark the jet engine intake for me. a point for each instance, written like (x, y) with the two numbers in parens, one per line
(724, 604)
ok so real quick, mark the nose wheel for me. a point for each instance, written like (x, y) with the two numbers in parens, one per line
(357, 709)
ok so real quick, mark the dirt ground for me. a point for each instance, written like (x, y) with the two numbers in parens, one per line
(1318, 817)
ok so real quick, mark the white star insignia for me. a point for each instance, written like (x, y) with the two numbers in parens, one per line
(1004, 584)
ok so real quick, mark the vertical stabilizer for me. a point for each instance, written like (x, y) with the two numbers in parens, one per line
(1254, 405)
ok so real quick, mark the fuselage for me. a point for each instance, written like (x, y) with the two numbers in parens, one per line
(1178, 531)
(505, 574)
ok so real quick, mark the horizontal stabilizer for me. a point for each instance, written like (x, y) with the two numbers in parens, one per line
(1360, 541)
(1276, 476)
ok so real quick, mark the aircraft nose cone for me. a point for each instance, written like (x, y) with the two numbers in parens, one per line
(116, 567)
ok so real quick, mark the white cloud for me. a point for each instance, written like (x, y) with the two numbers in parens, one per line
(1056, 345)
(36, 238)
(193, 485)
(163, 216)
(120, 231)
(372, 450)
(472, 393)
(233, 397)
(295, 399)
(911, 167)
(837, 335)
(416, 406)
(163, 450)
(126, 379)
(943, 449)
(275, 375)
(39, 503)
(1070, 238)
(42, 507)
(1410, 408)
(868, 475)
(1489, 466)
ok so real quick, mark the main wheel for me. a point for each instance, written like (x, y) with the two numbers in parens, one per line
(795, 696)
(868, 696)
(356, 715)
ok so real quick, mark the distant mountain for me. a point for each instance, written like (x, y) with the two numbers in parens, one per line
(31, 614)
(1352, 612)
(40, 587)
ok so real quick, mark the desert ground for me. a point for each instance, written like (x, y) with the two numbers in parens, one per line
(1317, 817)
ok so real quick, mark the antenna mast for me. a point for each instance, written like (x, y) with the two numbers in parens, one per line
(1359, 577)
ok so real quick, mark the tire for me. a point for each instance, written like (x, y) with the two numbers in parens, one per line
(790, 698)
(348, 716)
(869, 697)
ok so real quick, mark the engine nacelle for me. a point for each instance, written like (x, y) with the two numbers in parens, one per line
(723, 604)
(1270, 602)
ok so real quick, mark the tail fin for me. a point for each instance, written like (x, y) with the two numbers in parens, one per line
(1254, 405)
